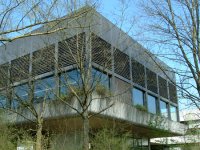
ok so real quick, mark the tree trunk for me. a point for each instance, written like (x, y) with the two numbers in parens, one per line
(85, 131)
(39, 136)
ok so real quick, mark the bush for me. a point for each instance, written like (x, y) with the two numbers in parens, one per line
(7, 136)
(109, 139)
(141, 108)
(102, 90)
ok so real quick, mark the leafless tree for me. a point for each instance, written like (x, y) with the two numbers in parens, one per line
(175, 28)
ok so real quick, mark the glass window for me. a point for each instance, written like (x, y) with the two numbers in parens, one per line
(45, 89)
(151, 104)
(69, 78)
(137, 97)
(163, 108)
(2, 99)
(20, 93)
(100, 78)
(73, 78)
(173, 113)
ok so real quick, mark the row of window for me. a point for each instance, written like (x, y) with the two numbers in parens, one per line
(43, 61)
(153, 105)
(45, 89)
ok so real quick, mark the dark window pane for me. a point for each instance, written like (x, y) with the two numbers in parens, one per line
(151, 104)
(173, 113)
(163, 108)
(100, 78)
(71, 78)
(44, 89)
(20, 95)
(14, 104)
(137, 97)
(3, 99)
(21, 92)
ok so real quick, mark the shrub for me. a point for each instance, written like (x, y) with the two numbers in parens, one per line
(141, 108)
(109, 139)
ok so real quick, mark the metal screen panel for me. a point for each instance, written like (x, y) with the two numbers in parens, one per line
(4, 76)
(163, 87)
(43, 60)
(101, 52)
(138, 73)
(172, 92)
(151, 81)
(121, 64)
(71, 51)
(20, 68)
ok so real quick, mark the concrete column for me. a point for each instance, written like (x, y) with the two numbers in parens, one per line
(56, 70)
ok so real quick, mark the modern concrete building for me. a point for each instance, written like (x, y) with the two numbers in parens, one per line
(144, 96)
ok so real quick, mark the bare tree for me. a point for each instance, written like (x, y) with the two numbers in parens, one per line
(175, 28)
(19, 18)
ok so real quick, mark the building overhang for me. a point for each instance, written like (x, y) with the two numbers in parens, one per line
(105, 111)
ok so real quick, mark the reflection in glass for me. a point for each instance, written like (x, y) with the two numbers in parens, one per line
(163, 108)
(151, 104)
(71, 78)
(44, 89)
(2, 99)
(20, 93)
(173, 113)
(99, 77)
(137, 97)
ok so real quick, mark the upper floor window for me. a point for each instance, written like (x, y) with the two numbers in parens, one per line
(163, 108)
(151, 104)
(44, 89)
(137, 97)
(173, 113)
